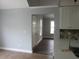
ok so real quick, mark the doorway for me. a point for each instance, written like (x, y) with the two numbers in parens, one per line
(43, 33)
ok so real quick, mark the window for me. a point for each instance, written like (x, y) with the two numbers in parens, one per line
(52, 27)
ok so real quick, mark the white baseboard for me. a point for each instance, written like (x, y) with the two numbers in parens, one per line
(17, 50)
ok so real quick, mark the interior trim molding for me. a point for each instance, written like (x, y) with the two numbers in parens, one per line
(16, 50)
(45, 6)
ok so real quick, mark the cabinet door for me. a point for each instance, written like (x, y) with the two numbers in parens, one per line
(74, 17)
(64, 17)
(66, 2)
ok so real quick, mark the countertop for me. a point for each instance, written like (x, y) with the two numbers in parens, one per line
(66, 55)
(64, 44)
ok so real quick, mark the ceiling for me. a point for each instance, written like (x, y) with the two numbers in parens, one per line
(10, 4)
(42, 2)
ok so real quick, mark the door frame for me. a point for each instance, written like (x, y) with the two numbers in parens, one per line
(49, 10)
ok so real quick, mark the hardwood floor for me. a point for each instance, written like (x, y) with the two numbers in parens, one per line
(17, 55)
(45, 47)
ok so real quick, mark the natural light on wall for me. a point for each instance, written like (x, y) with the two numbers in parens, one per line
(52, 27)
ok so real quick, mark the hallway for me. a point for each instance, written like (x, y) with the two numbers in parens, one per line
(46, 47)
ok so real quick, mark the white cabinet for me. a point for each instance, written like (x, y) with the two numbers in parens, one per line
(68, 2)
(64, 17)
(74, 18)
(69, 17)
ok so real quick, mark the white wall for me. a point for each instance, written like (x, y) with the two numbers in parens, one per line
(16, 29)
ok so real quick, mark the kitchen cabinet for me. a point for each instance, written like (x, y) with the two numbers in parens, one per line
(69, 17)
(64, 17)
(68, 2)
(74, 18)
